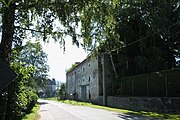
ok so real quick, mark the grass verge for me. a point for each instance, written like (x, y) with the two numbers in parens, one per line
(33, 115)
(128, 112)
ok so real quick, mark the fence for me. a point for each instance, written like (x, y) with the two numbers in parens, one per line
(156, 84)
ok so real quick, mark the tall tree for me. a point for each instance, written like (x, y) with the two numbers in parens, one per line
(61, 92)
(30, 63)
(21, 92)
(32, 54)
(36, 18)
(144, 32)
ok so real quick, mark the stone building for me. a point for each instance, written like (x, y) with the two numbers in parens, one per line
(86, 82)
(92, 81)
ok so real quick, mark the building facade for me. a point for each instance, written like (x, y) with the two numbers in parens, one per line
(86, 82)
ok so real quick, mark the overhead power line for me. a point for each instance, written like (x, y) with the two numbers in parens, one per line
(141, 39)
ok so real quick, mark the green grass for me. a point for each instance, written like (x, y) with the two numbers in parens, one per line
(129, 112)
(33, 115)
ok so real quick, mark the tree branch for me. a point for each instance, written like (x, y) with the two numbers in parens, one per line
(18, 27)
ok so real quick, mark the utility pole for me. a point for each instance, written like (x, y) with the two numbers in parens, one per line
(104, 81)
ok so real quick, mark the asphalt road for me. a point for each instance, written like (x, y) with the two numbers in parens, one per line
(51, 110)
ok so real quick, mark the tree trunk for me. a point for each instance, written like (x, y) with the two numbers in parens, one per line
(8, 19)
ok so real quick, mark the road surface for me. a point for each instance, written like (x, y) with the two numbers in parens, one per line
(51, 110)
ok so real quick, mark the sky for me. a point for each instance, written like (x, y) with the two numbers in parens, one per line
(60, 60)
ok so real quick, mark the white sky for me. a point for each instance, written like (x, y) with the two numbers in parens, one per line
(59, 61)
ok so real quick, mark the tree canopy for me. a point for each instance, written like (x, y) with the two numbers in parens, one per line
(30, 63)
(32, 54)
(144, 33)
(24, 19)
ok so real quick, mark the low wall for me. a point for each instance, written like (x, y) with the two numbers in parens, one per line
(157, 104)
(100, 101)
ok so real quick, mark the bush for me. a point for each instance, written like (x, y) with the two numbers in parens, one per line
(32, 101)
(21, 95)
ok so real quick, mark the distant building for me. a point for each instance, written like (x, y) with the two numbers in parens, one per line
(58, 84)
(50, 88)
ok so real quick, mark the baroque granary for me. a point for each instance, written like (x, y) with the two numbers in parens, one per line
(85, 81)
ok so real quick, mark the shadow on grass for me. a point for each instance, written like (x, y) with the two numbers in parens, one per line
(29, 111)
(135, 117)
(32, 114)
(149, 115)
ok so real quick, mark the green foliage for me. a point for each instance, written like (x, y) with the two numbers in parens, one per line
(28, 63)
(71, 68)
(20, 92)
(141, 31)
(44, 20)
(48, 93)
(62, 91)
(33, 115)
(112, 20)
(29, 19)
(32, 54)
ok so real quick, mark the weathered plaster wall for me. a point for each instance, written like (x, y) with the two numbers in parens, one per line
(70, 85)
(85, 81)
(82, 81)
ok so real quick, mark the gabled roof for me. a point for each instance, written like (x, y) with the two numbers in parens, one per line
(51, 82)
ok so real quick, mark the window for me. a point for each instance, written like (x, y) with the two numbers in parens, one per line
(89, 78)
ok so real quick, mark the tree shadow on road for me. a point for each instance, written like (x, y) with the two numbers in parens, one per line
(135, 117)
(43, 103)
(142, 115)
